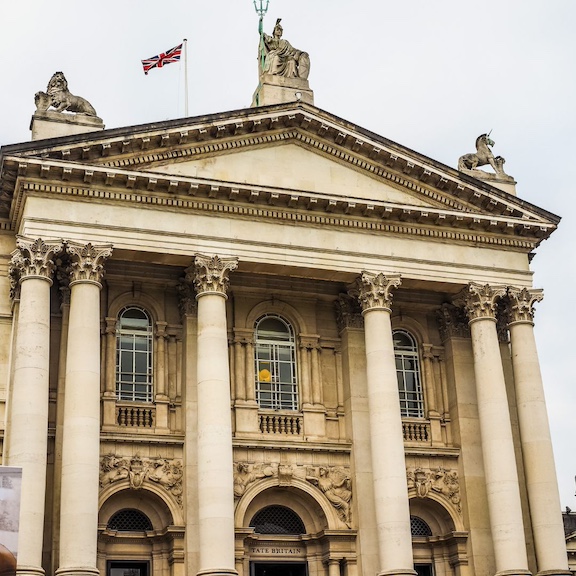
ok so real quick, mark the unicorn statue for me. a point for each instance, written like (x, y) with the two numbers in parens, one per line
(483, 156)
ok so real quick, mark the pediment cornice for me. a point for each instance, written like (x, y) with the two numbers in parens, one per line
(121, 157)
(151, 189)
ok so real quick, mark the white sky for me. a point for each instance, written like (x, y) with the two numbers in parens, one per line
(431, 75)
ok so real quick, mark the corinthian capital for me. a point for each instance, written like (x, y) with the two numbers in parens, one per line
(480, 300)
(374, 290)
(87, 261)
(32, 258)
(210, 274)
(521, 304)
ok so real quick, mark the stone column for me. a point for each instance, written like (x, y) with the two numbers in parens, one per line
(109, 396)
(387, 441)
(215, 459)
(81, 430)
(502, 486)
(31, 270)
(540, 470)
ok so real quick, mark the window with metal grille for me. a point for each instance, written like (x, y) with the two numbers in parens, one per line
(275, 359)
(408, 373)
(129, 520)
(419, 527)
(134, 355)
(277, 520)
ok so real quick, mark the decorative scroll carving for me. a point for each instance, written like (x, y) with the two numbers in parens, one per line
(336, 485)
(521, 304)
(210, 274)
(374, 290)
(439, 480)
(333, 481)
(32, 258)
(186, 298)
(138, 471)
(469, 162)
(59, 97)
(479, 300)
(348, 312)
(87, 261)
(452, 322)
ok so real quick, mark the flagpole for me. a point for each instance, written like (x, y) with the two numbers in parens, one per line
(186, 77)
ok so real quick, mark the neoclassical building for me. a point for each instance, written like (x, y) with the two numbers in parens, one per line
(269, 342)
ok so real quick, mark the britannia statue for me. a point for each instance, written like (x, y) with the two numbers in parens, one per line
(279, 58)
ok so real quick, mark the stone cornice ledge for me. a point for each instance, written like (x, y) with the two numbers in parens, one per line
(274, 203)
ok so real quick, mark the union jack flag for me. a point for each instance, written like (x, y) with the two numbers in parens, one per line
(172, 55)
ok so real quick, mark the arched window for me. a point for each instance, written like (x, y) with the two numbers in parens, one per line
(275, 370)
(277, 520)
(129, 520)
(134, 355)
(408, 373)
(419, 527)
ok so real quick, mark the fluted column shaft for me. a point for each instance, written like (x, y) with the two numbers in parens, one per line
(31, 270)
(387, 442)
(502, 486)
(540, 470)
(81, 428)
(215, 459)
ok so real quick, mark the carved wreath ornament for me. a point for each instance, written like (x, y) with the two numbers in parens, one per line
(138, 471)
(440, 480)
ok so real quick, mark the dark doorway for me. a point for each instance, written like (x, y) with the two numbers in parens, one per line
(126, 568)
(424, 569)
(278, 569)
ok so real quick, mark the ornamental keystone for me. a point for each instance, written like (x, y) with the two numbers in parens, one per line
(87, 261)
(374, 290)
(210, 274)
(521, 304)
(479, 300)
(32, 258)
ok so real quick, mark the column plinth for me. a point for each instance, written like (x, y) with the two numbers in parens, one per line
(31, 271)
(81, 427)
(387, 441)
(540, 470)
(502, 486)
(215, 458)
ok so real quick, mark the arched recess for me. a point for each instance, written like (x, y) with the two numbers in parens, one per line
(327, 539)
(419, 332)
(279, 308)
(152, 547)
(444, 551)
(142, 300)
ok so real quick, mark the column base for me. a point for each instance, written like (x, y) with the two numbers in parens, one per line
(29, 571)
(520, 572)
(398, 572)
(218, 572)
(78, 571)
(555, 572)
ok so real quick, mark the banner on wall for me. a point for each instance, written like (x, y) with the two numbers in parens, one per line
(10, 491)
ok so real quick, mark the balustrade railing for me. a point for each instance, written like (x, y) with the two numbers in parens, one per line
(274, 423)
(416, 431)
(130, 416)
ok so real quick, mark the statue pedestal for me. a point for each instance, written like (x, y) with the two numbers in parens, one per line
(51, 124)
(279, 90)
(506, 184)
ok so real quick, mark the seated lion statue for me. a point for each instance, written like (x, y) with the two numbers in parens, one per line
(59, 97)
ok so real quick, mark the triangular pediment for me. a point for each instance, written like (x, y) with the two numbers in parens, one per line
(292, 156)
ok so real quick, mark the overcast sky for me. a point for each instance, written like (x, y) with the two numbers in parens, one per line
(431, 75)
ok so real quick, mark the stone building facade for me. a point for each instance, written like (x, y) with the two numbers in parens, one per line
(269, 342)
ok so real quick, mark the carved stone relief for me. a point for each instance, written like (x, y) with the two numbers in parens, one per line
(452, 322)
(439, 480)
(210, 273)
(87, 261)
(138, 471)
(521, 304)
(333, 481)
(479, 300)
